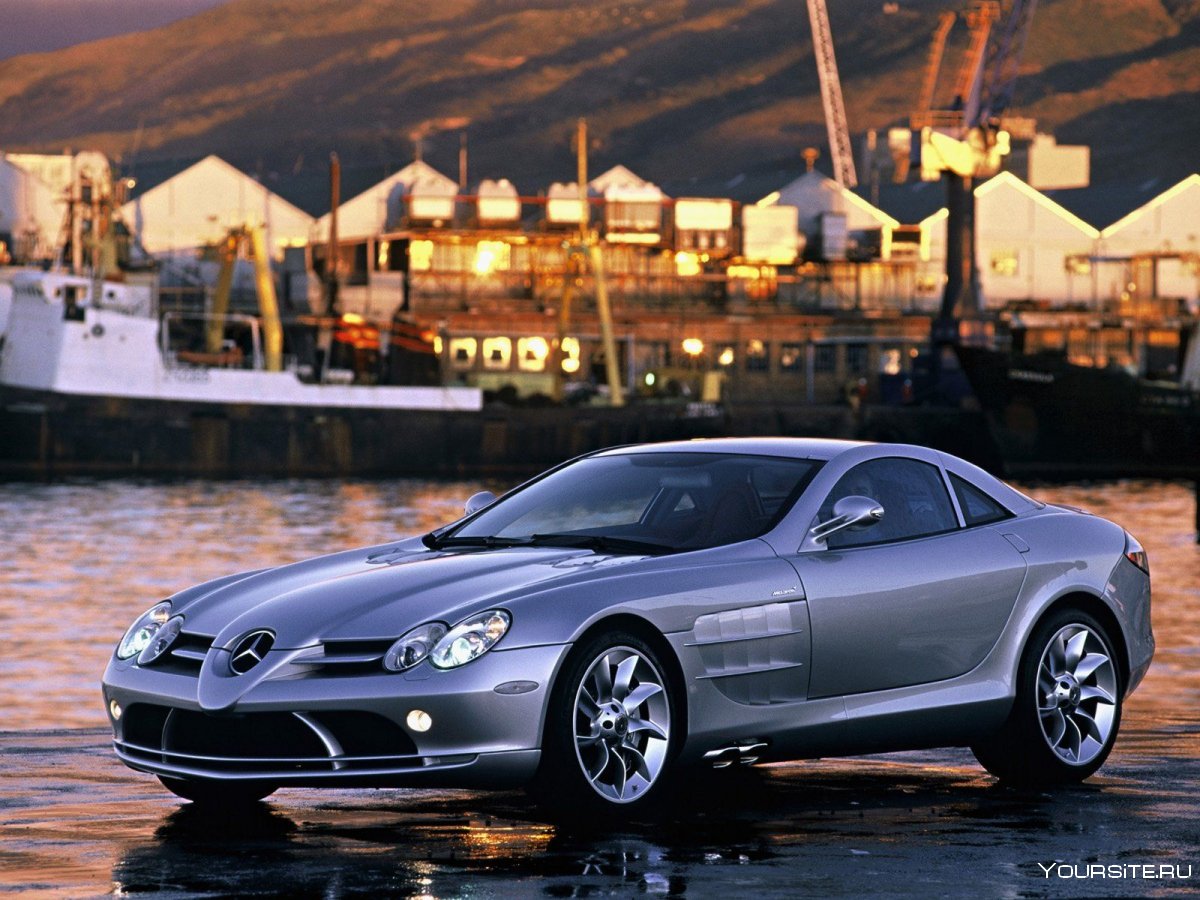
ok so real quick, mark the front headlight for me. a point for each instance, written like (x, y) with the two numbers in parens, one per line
(470, 639)
(413, 647)
(140, 633)
(162, 640)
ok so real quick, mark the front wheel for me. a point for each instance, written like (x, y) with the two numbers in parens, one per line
(1067, 709)
(208, 792)
(609, 737)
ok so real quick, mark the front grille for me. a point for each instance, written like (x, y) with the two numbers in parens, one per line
(363, 657)
(266, 742)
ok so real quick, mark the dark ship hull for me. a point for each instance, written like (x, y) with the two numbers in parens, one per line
(1047, 416)
(48, 435)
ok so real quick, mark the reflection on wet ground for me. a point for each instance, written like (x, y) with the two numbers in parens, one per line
(924, 824)
(84, 558)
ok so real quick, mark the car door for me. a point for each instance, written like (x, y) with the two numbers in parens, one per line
(913, 599)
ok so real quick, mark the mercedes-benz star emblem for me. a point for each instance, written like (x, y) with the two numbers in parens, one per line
(250, 650)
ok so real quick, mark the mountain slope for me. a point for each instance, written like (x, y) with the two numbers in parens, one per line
(694, 94)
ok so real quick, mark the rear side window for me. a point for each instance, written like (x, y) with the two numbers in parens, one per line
(977, 507)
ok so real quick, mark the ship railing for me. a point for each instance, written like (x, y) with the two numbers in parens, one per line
(182, 341)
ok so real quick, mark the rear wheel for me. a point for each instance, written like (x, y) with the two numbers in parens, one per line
(207, 792)
(609, 740)
(1067, 710)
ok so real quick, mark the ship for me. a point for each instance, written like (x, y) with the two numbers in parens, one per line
(1049, 415)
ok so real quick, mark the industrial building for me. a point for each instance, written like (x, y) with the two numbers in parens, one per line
(198, 206)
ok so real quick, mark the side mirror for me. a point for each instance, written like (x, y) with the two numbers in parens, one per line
(850, 512)
(476, 502)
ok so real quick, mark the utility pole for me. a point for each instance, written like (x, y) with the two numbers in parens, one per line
(331, 249)
(590, 254)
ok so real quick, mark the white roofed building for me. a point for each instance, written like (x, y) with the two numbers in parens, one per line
(199, 205)
(31, 212)
(1028, 247)
(382, 207)
(820, 199)
(1160, 241)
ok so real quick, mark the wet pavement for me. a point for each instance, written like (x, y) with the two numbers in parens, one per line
(76, 823)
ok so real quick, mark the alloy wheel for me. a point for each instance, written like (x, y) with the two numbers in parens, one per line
(1077, 694)
(622, 724)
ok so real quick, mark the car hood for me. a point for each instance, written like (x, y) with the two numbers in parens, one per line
(381, 592)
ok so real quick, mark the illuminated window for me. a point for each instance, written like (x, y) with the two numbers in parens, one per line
(532, 353)
(492, 256)
(1079, 265)
(1005, 263)
(420, 256)
(889, 361)
(758, 357)
(462, 352)
(687, 264)
(791, 357)
(570, 352)
(497, 352)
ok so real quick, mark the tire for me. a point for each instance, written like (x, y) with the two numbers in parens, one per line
(608, 743)
(1067, 710)
(207, 792)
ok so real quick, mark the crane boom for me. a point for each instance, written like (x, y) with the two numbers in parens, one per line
(831, 96)
(933, 65)
(1004, 61)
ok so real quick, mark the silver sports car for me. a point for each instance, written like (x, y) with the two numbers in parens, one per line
(645, 609)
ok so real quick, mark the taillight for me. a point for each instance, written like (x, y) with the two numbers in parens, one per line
(1136, 553)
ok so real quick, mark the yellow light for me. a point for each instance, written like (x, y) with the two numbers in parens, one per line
(687, 263)
(726, 357)
(650, 379)
(484, 260)
(536, 348)
(382, 255)
(532, 353)
(497, 352)
(352, 319)
(419, 720)
(570, 352)
(743, 271)
(490, 256)
(437, 344)
(693, 346)
(420, 256)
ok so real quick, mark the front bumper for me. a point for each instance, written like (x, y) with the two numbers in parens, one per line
(343, 730)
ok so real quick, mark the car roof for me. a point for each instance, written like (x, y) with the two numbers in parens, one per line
(799, 448)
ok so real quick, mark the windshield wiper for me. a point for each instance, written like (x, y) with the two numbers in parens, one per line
(490, 541)
(601, 543)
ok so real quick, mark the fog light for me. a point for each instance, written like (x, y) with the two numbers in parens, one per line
(419, 720)
(114, 710)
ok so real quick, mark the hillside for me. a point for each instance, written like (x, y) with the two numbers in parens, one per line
(694, 94)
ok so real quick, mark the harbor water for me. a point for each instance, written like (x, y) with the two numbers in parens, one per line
(82, 559)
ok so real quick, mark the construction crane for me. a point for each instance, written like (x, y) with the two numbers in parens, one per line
(967, 140)
(831, 96)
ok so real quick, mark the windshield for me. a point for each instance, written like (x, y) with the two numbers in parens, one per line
(645, 502)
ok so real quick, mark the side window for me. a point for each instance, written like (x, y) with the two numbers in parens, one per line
(913, 496)
(978, 508)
